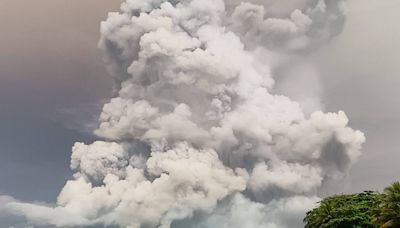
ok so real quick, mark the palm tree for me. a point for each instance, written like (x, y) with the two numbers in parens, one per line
(317, 218)
(387, 214)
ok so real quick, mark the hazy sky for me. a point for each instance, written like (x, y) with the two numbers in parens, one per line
(49, 64)
(360, 74)
(52, 81)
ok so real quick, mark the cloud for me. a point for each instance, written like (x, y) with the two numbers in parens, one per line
(240, 212)
(194, 83)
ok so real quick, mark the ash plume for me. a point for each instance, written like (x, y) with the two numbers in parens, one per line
(196, 135)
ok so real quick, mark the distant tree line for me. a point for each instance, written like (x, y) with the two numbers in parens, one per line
(369, 209)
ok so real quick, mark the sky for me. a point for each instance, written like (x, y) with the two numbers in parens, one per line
(360, 75)
(50, 68)
(53, 82)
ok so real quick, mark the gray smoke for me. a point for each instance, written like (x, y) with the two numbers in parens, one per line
(197, 135)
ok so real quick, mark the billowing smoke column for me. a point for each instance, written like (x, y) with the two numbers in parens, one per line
(195, 136)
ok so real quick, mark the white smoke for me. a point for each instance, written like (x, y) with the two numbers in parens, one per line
(196, 136)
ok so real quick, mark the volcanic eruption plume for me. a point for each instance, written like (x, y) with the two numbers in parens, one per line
(196, 134)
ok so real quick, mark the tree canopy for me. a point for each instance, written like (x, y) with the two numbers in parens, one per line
(387, 214)
(350, 211)
(362, 210)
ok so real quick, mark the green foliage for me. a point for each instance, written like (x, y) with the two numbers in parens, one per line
(364, 210)
(344, 211)
(387, 214)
